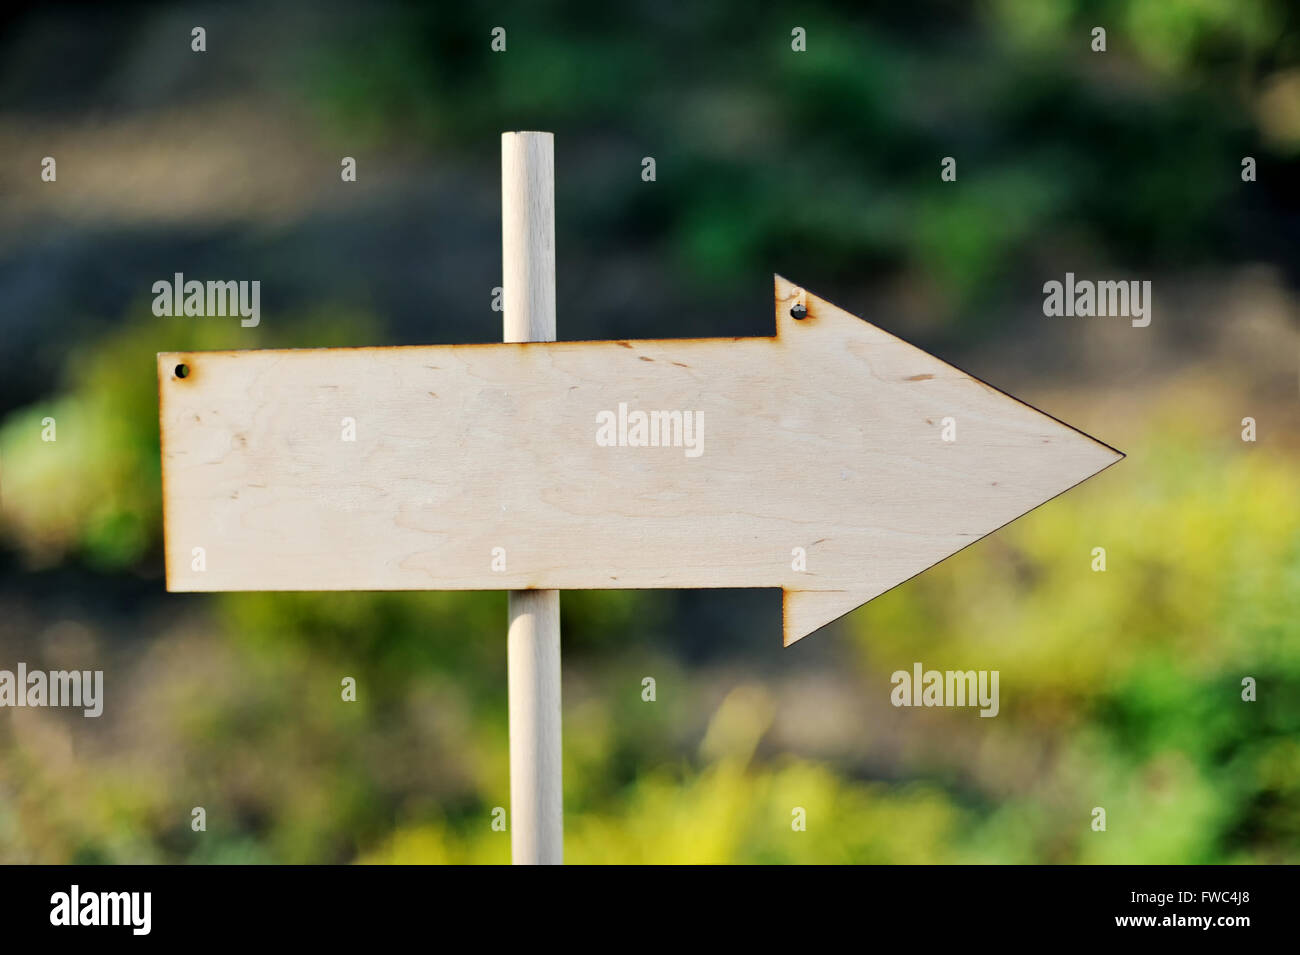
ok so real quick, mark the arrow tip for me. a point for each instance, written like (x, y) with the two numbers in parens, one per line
(1014, 459)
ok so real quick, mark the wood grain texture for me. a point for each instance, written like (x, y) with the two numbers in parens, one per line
(826, 436)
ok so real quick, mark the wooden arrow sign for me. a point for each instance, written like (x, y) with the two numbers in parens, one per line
(832, 460)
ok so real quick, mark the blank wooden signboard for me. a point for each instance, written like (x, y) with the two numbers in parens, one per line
(828, 436)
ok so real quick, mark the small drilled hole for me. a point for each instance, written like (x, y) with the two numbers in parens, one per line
(182, 371)
(799, 312)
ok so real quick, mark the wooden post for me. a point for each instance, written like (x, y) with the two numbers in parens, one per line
(533, 652)
(860, 483)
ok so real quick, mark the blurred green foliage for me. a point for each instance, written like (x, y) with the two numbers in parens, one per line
(1119, 689)
(828, 162)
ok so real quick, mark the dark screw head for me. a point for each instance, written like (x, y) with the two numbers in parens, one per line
(799, 312)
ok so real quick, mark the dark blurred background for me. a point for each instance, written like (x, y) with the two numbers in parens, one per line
(1120, 689)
